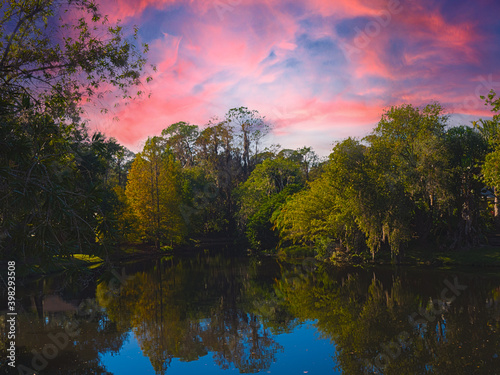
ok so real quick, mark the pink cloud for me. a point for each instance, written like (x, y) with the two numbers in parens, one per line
(123, 9)
(247, 56)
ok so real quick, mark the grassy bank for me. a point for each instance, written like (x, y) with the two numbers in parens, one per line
(479, 256)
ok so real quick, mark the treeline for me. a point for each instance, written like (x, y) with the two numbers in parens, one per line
(211, 182)
(413, 179)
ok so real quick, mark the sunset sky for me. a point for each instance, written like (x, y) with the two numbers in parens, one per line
(318, 70)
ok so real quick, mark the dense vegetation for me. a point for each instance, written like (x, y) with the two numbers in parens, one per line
(412, 178)
(55, 57)
(65, 191)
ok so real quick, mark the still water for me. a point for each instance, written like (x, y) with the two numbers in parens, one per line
(215, 314)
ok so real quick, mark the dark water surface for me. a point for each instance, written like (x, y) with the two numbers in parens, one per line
(215, 314)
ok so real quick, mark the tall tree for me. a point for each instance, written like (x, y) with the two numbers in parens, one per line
(153, 190)
(267, 188)
(411, 179)
(466, 151)
(250, 127)
(181, 138)
(326, 213)
(56, 55)
(221, 164)
(490, 130)
(408, 153)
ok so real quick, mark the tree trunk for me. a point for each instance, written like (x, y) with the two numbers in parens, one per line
(496, 208)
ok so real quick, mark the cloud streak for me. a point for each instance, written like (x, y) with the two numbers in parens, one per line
(288, 60)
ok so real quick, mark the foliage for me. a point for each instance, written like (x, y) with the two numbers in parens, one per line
(55, 178)
(60, 53)
(326, 210)
(466, 150)
(263, 193)
(55, 201)
(154, 192)
(250, 128)
(490, 130)
(411, 178)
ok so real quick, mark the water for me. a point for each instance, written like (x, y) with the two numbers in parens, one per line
(214, 314)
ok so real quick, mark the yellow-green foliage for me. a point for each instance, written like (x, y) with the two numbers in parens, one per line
(154, 194)
(410, 178)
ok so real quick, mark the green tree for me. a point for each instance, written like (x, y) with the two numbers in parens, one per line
(466, 150)
(408, 154)
(181, 138)
(59, 73)
(267, 188)
(55, 199)
(490, 130)
(326, 213)
(221, 165)
(409, 179)
(56, 56)
(268, 178)
(305, 156)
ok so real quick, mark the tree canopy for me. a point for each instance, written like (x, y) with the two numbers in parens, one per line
(56, 56)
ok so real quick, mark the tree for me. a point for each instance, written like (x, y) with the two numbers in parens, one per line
(411, 179)
(490, 130)
(55, 56)
(181, 138)
(325, 214)
(305, 156)
(408, 152)
(120, 164)
(268, 178)
(250, 127)
(267, 188)
(217, 157)
(466, 150)
(153, 190)
(62, 52)
(491, 169)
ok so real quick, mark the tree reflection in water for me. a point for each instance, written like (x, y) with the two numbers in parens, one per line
(232, 309)
(366, 313)
(187, 308)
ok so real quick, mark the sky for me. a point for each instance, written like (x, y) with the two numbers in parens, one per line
(319, 71)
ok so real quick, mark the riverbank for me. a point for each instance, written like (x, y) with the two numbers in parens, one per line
(477, 256)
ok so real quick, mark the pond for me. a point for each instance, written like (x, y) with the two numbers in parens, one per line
(215, 314)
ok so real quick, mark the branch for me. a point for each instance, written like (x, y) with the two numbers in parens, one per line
(35, 11)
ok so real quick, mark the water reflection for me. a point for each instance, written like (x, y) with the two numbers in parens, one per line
(393, 323)
(188, 308)
(236, 311)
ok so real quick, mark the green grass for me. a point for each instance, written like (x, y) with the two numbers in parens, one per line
(478, 256)
(87, 258)
(92, 261)
(56, 265)
(484, 256)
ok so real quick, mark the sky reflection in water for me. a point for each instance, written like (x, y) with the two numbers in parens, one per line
(304, 352)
